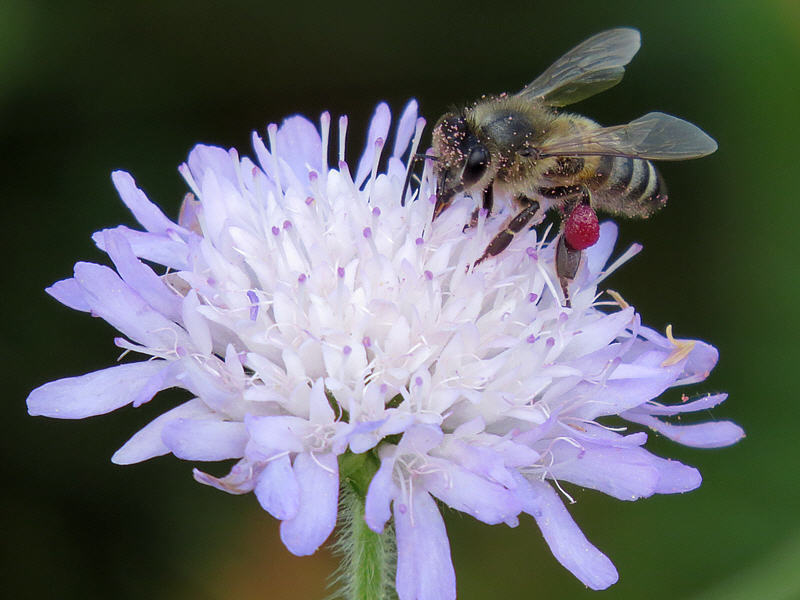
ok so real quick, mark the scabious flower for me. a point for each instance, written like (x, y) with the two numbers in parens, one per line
(311, 314)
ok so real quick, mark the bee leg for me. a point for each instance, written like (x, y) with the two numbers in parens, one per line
(488, 203)
(567, 262)
(501, 241)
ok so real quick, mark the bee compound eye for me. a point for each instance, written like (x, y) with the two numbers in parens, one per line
(476, 165)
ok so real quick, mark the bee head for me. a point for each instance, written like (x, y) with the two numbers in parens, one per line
(462, 160)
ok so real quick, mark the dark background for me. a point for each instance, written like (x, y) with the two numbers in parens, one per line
(88, 87)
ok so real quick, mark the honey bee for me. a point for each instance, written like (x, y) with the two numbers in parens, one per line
(522, 146)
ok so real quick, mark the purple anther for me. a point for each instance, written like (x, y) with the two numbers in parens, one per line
(418, 380)
(551, 341)
(287, 224)
(254, 304)
(340, 271)
(428, 275)
(376, 211)
(347, 350)
(531, 338)
(531, 251)
(419, 241)
(366, 341)
(367, 232)
(275, 230)
(533, 297)
(301, 278)
(309, 201)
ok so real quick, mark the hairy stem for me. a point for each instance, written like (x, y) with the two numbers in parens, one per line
(366, 571)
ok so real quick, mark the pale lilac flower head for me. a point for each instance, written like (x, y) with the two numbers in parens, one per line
(311, 313)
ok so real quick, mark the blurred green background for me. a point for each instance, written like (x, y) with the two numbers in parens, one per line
(87, 87)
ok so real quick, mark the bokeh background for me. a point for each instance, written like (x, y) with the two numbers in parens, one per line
(88, 87)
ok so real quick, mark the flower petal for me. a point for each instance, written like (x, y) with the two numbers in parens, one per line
(69, 293)
(424, 567)
(205, 439)
(624, 473)
(147, 442)
(382, 490)
(147, 213)
(715, 434)
(92, 394)
(277, 489)
(566, 540)
(318, 480)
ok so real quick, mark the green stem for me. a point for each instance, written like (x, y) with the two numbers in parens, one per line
(366, 571)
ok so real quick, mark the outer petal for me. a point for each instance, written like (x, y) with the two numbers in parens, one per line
(715, 434)
(318, 480)
(566, 540)
(94, 393)
(115, 302)
(147, 213)
(470, 493)
(675, 477)
(69, 293)
(382, 490)
(378, 128)
(424, 567)
(277, 489)
(205, 439)
(624, 473)
(147, 442)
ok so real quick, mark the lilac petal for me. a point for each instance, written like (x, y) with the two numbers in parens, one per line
(597, 256)
(378, 128)
(209, 385)
(702, 360)
(277, 489)
(147, 442)
(240, 480)
(278, 433)
(715, 434)
(624, 473)
(465, 491)
(214, 160)
(420, 438)
(405, 128)
(140, 277)
(69, 293)
(320, 411)
(702, 403)
(92, 394)
(382, 490)
(205, 439)
(318, 480)
(566, 540)
(299, 144)
(424, 567)
(675, 477)
(597, 335)
(157, 248)
(147, 213)
(115, 302)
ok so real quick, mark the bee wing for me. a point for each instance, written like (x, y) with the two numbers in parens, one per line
(590, 67)
(655, 136)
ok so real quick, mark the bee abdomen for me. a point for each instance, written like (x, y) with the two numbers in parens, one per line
(627, 186)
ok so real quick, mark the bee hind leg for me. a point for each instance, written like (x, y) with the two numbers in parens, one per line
(501, 241)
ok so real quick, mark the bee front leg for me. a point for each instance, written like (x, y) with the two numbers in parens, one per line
(501, 241)
(488, 204)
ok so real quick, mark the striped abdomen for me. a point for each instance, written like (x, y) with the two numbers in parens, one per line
(626, 186)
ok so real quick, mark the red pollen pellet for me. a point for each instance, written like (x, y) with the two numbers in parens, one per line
(582, 227)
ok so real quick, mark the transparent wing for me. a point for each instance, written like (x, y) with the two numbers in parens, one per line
(590, 67)
(655, 136)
